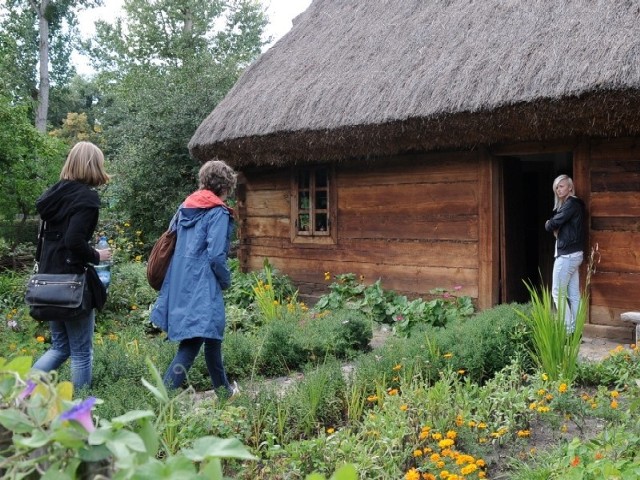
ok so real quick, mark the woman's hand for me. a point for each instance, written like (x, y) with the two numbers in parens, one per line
(105, 255)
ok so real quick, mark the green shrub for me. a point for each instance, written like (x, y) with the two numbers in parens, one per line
(239, 351)
(341, 334)
(129, 292)
(279, 353)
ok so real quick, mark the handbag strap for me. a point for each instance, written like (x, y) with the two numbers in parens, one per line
(39, 246)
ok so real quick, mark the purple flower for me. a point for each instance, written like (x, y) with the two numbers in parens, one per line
(81, 413)
(28, 390)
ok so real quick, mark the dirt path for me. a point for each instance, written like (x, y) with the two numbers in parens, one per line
(597, 349)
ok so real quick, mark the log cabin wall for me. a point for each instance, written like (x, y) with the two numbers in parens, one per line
(614, 210)
(411, 221)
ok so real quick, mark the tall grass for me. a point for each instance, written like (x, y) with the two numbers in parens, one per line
(554, 349)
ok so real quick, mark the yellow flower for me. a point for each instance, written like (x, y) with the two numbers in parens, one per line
(327, 276)
(614, 394)
(452, 435)
(134, 307)
(545, 377)
(138, 258)
(372, 398)
(469, 469)
(541, 392)
(393, 391)
(461, 372)
(40, 339)
(459, 421)
(412, 474)
(480, 462)
(448, 355)
(549, 397)
(447, 442)
(471, 424)
(330, 430)
(524, 433)
(482, 475)
(562, 388)
(436, 436)
(435, 457)
(397, 367)
(564, 428)
(482, 425)
(404, 407)
(127, 224)
(614, 404)
(417, 453)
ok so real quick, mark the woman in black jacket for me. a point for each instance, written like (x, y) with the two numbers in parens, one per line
(567, 225)
(69, 210)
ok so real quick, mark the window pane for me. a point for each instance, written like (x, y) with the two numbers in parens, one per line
(321, 200)
(321, 222)
(303, 222)
(303, 200)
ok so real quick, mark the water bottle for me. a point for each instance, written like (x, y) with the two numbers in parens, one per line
(104, 267)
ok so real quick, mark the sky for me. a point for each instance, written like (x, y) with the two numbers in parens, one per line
(280, 13)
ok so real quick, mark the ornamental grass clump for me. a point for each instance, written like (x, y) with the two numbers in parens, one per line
(555, 349)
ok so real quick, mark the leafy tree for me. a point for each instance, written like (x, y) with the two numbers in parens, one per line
(38, 38)
(163, 68)
(29, 161)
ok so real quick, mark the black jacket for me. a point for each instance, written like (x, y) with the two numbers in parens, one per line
(70, 211)
(569, 221)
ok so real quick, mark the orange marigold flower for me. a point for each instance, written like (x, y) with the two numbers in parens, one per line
(614, 404)
(392, 391)
(417, 453)
(452, 434)
(576, 461)
(412, 474)
(598, 456)
(562, 388)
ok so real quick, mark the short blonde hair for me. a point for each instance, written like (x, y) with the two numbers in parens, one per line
(217, 176)
(557, 203)
(85, 164)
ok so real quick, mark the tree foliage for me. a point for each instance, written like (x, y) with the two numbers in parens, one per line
(163, 68)
(29, 160)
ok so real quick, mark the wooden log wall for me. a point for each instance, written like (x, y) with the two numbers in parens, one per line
(614, 208)
(411, 221)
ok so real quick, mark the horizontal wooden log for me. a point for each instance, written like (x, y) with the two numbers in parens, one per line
(420, 169)
(606, 315)
(617, 224)
(619, 149)
(616, 290)
(427, 254)
(615, 204)
(268, 203)
(407, 226)
(425, 199)
(279, 179)
(256, 227)
(393, 277)
(619, 251)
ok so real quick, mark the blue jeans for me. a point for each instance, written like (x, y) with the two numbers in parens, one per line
(186, 355)
(566, 282)
(73, 339)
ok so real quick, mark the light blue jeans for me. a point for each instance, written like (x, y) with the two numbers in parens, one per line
(71, 338)
(566, 282)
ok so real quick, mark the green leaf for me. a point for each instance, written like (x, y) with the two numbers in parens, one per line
(19, 365)
(346, 472)
(214, 447)
(16, 421)
(37, 439)
(131, 416)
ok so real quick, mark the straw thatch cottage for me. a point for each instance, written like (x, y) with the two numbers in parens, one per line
(417, 141)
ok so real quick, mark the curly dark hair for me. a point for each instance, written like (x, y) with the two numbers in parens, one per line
(217, 176)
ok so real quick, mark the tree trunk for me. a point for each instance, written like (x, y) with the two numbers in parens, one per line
(43, 89)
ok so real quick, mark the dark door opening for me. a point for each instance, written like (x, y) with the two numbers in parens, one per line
(526, 202)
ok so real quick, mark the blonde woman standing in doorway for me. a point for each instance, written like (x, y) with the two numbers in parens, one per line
(567, 225)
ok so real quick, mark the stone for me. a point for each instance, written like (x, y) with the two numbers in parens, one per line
(633, 317)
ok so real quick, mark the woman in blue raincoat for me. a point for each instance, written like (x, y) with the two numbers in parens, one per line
(190, 306)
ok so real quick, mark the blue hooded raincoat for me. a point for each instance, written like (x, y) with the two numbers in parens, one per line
(190, 303)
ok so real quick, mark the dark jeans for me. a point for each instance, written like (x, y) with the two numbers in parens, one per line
(187, 352)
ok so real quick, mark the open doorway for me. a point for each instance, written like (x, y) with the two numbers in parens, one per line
(526, 202)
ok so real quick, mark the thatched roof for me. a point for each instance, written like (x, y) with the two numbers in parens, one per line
(368, 77)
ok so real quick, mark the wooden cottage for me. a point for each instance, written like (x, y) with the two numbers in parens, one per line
(417, 141)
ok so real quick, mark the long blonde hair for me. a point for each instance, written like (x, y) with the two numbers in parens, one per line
(85, 163)
(557, 202)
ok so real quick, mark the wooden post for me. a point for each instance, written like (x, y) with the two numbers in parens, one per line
(488, 230)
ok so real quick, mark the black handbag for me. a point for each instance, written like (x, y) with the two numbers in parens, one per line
(57, 296)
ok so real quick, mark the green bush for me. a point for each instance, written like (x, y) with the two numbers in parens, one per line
(341, 334)
(279, 352)
(129, 292)
(239, 350)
